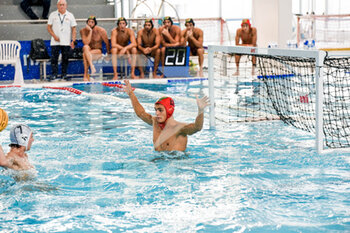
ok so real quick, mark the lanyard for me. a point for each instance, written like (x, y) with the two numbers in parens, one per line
(62, 20)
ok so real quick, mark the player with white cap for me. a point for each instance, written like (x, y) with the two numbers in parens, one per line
(21, 138)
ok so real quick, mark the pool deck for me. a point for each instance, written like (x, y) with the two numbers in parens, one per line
(39, 84)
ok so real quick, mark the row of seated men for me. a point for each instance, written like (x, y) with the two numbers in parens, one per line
(149, 42)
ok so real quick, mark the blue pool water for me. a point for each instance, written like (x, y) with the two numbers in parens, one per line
(97, 171)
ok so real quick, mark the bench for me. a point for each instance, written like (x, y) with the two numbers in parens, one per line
(43, 64)
(123, 64)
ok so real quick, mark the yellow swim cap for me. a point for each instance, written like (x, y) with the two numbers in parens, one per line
(3, 119)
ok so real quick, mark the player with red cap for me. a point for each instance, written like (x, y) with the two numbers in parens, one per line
(245, 36)
(169, 105)
(168, 134)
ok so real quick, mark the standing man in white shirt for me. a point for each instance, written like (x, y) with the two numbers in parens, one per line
(62, 28)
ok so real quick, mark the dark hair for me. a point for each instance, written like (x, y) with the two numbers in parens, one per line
(168, 18)
(93, 18)
(189, 20)
(121, 19)
(14, 145)
(149, 21)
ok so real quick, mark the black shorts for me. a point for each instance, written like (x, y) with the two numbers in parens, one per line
(194, 51)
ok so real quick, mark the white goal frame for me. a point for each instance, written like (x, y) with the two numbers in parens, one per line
(319, 57)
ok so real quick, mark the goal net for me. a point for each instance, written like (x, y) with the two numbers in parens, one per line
(215, 30)
(303, 88)
(328, 31)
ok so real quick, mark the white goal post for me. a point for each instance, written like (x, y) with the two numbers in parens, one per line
(316, 75)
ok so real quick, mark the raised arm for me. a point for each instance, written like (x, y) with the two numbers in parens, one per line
(139, 110)
(192, 128)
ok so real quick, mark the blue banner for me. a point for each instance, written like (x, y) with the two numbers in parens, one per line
(31, 69)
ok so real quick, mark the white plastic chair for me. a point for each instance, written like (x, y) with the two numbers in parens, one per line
(9, 54)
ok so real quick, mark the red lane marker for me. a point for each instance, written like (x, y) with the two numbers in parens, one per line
(10, 86)
(70, 89)
(116, 85)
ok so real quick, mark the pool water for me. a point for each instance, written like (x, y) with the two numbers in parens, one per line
(97, 171)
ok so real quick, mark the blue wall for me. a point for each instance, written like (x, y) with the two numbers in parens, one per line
(32, 70)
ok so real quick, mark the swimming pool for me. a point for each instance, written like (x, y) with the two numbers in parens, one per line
(97, 170)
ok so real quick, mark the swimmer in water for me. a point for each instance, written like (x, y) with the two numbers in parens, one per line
(21, 137)
(168, 134)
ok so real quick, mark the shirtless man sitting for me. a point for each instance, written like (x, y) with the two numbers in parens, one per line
(123, 43)
(170, 37)
(248, 35)
(92, 37)
(21, 137)
(148, 41)
(194, 37)
(168, 134)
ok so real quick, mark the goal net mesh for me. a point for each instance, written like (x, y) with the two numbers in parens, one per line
(337, 102)
(328, 31)
(284, 88)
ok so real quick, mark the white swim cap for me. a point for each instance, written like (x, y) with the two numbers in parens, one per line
(20, 135)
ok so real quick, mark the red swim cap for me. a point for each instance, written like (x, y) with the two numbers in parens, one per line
(246, 21)
(168, 104)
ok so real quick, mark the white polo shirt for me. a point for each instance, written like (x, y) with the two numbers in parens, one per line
(62, 27)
